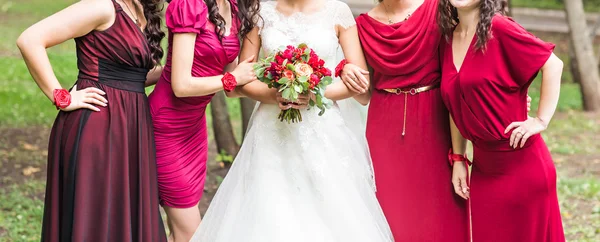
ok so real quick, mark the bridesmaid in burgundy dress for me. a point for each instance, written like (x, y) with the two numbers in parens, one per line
(488, 63)
(408, 125)
(101, 162)
(203, 46)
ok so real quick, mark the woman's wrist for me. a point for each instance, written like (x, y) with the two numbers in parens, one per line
(229, 82)
(542, 121)
(61, 98)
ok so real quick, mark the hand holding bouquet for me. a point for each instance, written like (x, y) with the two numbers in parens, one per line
(295, 71)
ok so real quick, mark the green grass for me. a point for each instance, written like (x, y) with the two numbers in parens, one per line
(21, 211)
(590, 5)
(575, 196)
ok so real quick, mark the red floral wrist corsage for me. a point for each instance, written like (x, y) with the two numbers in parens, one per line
(62, 98)
(340, 67)
(455, 157)
(229, 82)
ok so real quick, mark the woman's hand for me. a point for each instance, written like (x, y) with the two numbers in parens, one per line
(459, 179)
(86, 98)
(354, 78)
(529, 103)
(301, 103)
(521, 131)
(244, 72)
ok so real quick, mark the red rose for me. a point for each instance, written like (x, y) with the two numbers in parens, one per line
(62, 98)
(279, 59)
(288, 54)
(321, 62)
(325, 71)
(229, 82)
(289, 74)
(340, 67)
(313, 81)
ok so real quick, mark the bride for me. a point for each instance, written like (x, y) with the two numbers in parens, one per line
(307, 181)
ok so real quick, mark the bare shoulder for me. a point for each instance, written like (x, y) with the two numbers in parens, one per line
(103, 11)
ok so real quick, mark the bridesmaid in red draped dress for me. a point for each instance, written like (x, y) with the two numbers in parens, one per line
(203, 46)
(488, 63)
(408, 125)
(101, 182)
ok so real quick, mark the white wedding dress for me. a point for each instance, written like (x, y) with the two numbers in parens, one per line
(304, 182)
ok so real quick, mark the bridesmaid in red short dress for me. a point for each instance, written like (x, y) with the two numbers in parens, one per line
(408, 125)
(203, 46)
(101, 182)
(488, 64)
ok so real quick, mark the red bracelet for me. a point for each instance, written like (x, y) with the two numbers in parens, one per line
(229, 82)
(62, 98)
(455, 157)
(340, 67)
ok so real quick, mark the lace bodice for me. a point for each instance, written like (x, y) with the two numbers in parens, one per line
(317, 30)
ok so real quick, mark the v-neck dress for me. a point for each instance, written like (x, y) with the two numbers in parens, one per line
(411, 171)
(101, 165)
(513, 191)
(180, 123)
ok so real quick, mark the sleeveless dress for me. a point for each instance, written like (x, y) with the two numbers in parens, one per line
(513, 191)
(180, 123)
(412, 173)
(300, 182)
(101, 165)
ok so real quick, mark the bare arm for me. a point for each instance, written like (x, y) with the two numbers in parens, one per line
(182, 81)
(353, 53)
(74, 21)
(550, 92)
(459, 170)
(255, 90)
(153, 76)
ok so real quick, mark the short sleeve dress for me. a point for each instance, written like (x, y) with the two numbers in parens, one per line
(513, 191)
(180, 123)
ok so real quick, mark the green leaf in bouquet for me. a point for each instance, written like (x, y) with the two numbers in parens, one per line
(305, 86)
(311, 102)
(287, 94)
(322, 110)
(294, 96)
(303, 79)
(302, 45)
(307, 52)
(290, 67)
(298, 88)
(319, 100)
(326, 80)
(283, 80)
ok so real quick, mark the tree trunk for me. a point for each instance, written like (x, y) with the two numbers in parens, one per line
(247, 106)
(574, 67)
(584, 53)
(223, 131)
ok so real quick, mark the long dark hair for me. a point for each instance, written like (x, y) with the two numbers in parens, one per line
(448, 19)
(153, 31)
(247, 15)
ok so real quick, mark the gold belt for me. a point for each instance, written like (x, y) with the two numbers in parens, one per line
(412, 92)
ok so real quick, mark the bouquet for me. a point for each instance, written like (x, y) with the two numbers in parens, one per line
(294, 71)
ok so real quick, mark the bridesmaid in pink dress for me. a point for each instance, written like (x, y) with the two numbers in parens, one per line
(203, 46)
(488, 63)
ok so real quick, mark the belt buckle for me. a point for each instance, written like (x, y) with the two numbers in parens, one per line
(413, 91)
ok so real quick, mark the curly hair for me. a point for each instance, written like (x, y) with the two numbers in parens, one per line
(448, 19)
(247, 15)
(153, 31)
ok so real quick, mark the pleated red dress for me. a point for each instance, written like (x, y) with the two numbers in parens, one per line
(101, 165)
(513, 191)
(412, 174)
(180, 123)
